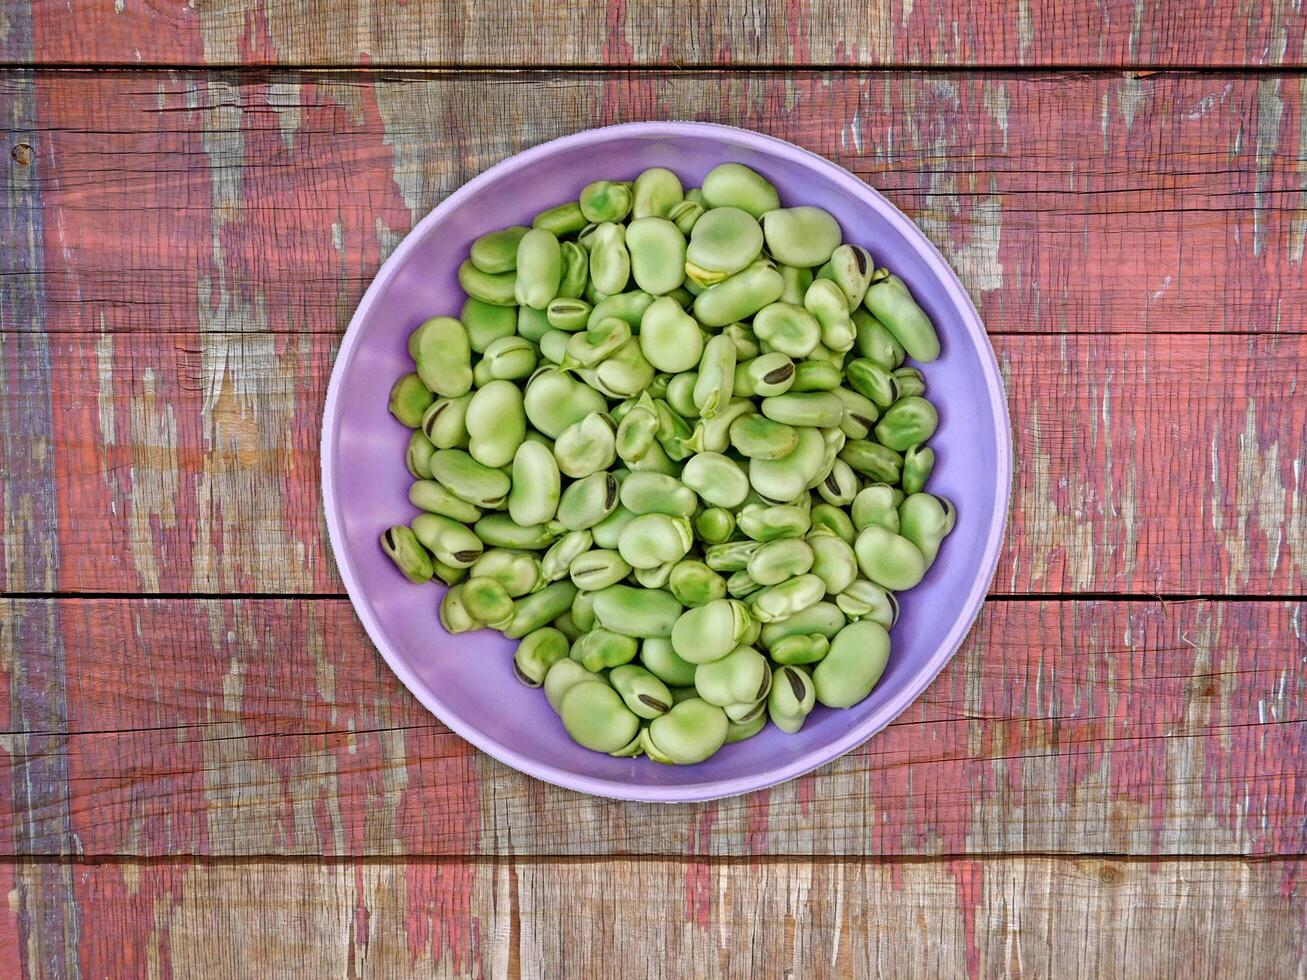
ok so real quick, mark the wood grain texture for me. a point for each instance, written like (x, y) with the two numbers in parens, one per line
(632, 32)
(193, 201)
(981, 918)
(273, 727)
(189, 462)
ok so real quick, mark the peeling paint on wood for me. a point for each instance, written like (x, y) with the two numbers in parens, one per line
(1111, 33)
(272, 726)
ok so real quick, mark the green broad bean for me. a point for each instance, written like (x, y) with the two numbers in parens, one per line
(918, 462)
(876, 504)
(662, 661)
(657, 252)
(797, 280)
(597, 718)
(408, 554)
(739, 296)
(565, 219)
(879, 463)
(509, 359)
(911, 382)
(717, 479)
(532, 324)
(691, 732)
(860, 413)
(926, 520)
(670, 338)
(656, 493)
(629, 306)
(680, 394)
(803, 236)
(854, 665)
(875, 342)
(873, 381)
(417, 456)
(448, 541)
(644, 692)
(432, 497)
(742, 676)
(496, 423)
(497, 289)
(557, 561)
(654, 578)
(642, 613)
(840, 485)
(833, 440)
(824, 618)
(587, 501)
(539, 269)
(454, 617)
(582, 611)
(655, 460)
(600, 649)
(758, 437)
(538, 609)
(695, 584)
(821, 409)
(906, 423)
(833, 561)
(447, 573)
(890, 301)
(792, 330)
(709, 632)
(714, 525)
(787, 477)
(626, 373)
(517, 571)
(741, 585)
(765, 523)
(487, 601)
(636, 432)
(825, 301)
(735, 185)
(730, 556)
(739, 731)
(607, 531)
(598, 569)
(554, 400)
(723, 242)
(605, 200)
(656, 191)
(499, 530)
(537, 653)
(799, 648)
(553, 346)
(713, 435)
(409, 400)
(650, 540)
(780, 560)
(587, 446)
(716, 379)
(745, 340)
(485, 323)
(568, 313)
(610, 262)
(888, 559)
(764, 375)
(576, 271)
(567, 626)
(590, 346)
(786, 599)
(835, 520)
(496, 251)
(565, 674)
(536, 484)
(850, 267)
(792, 698)
(685, 215)
(867, 600)
(816, 376)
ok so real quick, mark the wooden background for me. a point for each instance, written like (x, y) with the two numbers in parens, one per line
(206, 770)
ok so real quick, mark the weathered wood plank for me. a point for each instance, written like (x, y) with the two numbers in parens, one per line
(257, 727)
(615, 32)
(242, 201)
(1042, 916)
(188, 462)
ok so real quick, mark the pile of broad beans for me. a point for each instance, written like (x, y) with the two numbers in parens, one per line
(671, 445)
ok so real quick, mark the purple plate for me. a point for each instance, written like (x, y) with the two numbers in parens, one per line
(467, 681)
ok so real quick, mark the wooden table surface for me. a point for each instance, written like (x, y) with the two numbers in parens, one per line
(205, 768)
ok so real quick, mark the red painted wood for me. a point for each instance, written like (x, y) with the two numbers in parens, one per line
(271, 726)
(619, 32)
